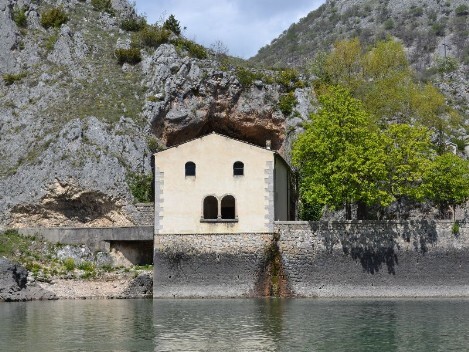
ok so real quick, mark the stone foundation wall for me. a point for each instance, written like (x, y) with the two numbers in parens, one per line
(317, 259)
(218, 265)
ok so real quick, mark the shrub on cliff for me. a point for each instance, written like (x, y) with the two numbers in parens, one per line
(19, 16)
(10, 78)
(141, 186)
(287, 102)
(133, 24)
(53, 17)
(194, 49)
(103, 5)
(462, 10)
(131, 56)
(150, 36)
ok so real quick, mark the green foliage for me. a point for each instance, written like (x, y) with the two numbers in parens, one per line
(289, 79)
(439, 28)
(382, 79)
(455, 228)
(447, 180)
(446, 65)
(310, 212)
(462, 10)
(460, 143)
(103, 6)
(339, 155)
(151, 37)
(86, 266)
(407, 157)
(11, 78)
(194, 49)
(141, 187)
(287, 102)
(19, 16)
(50, 41)
(69, 264)
(172, 24)
(53, 17)
(389, 24)
(245, 77)
(153, 144)
(131, 56)
(344, 157)
(133, 24)
(11, 243)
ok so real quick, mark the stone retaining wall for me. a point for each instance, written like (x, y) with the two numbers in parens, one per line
(372, 258)
(318, 259)
(145, 215)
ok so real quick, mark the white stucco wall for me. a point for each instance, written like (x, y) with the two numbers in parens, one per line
(179, 199)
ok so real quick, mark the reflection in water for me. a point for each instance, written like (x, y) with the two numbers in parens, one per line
(311, 325)
(235, 325)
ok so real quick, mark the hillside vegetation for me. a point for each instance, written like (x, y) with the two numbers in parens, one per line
(434, 33)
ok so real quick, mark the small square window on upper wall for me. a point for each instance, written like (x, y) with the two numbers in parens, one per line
(238, 169)
(190, 168)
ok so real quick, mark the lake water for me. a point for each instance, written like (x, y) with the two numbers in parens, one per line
(235, 325)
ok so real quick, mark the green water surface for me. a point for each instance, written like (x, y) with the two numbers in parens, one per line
(235, 325)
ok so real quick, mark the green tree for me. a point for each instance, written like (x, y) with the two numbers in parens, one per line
(338, 155)
(382, 79)
(408, 152)
(172, 24)
(447, 181)
(344, 64)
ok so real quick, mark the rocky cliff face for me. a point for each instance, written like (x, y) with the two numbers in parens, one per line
(74, 124)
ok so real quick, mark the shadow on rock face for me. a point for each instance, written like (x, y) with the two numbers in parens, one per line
(251, 132)
(66, 205)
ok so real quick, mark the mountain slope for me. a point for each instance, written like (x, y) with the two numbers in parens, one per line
(435, 34)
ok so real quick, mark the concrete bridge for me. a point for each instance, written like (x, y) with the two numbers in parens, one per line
(135, 243)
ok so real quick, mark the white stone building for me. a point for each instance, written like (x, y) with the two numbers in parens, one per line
(216, 184)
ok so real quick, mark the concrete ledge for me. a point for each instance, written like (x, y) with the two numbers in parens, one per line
(97, 238)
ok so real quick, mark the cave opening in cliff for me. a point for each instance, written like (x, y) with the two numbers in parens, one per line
(252, 132)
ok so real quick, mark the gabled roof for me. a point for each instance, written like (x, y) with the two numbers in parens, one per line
(221, 135)
(234, 139)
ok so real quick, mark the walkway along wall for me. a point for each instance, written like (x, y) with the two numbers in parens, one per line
(317, 259)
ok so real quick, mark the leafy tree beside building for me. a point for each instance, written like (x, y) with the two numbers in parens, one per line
(378, 137)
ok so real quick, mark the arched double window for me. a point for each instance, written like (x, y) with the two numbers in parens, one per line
(190, 168)
(210, 208)
(226, 211)
(238, 169)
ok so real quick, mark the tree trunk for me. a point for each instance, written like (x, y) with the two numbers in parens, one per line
(348, 211)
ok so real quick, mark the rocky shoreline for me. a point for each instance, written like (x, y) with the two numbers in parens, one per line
(17, 285)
